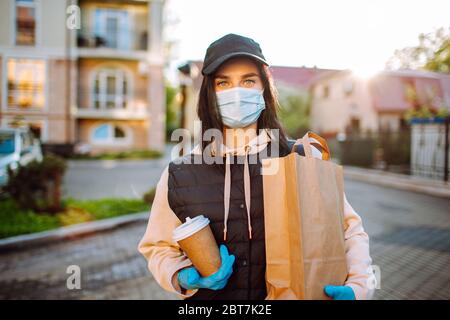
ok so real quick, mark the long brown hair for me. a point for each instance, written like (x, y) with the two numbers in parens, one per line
(209, 114)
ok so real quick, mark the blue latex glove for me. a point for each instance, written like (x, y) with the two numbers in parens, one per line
(339, 292)
(189, 278)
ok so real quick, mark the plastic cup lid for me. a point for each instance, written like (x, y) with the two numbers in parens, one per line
(190, 227)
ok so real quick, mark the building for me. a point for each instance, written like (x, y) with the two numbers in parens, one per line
(343, 101)
(84, 72)
(296, 79)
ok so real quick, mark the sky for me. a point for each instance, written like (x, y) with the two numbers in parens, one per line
(339, 34)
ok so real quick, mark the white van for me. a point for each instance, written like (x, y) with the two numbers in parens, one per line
(17, 146)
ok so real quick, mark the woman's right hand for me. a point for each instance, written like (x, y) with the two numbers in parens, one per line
(189, 278)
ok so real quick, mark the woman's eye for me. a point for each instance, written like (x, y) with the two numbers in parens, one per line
(249, 82)
(221, 83)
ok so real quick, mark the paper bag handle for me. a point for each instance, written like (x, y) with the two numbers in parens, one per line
(307, 145)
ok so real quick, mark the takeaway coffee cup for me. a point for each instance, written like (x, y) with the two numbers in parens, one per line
(197, 241)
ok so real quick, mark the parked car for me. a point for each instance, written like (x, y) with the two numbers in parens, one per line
(18, 146)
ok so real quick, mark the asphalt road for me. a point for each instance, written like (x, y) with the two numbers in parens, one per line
(92, 179)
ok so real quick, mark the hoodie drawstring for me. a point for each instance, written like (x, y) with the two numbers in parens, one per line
(247, 191)
(226, 192)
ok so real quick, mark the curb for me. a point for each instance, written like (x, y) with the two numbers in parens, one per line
(69, 232)
(398, 181)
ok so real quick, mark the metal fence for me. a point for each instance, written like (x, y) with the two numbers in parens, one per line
(430, 149)
(387, 150)
(421, 149)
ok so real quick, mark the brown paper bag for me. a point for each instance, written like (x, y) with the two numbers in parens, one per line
(304, 227)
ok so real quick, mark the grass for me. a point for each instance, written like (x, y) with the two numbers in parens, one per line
(15, 221)
(131, 155)
(108, 208)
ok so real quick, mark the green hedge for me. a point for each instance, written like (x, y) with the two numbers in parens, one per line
(15, 221)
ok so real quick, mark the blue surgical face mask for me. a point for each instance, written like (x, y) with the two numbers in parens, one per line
(240, 107)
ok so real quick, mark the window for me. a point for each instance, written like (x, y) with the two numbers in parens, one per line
(348, 88)
(110, 89)
(27, 142)
(26, 82)
(112, 27)
(326, 92)
(25, 22)
(7, 143)
(110, 134)
(355, 125)
(353, 107)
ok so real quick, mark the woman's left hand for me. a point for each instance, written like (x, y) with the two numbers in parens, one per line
(339, 292)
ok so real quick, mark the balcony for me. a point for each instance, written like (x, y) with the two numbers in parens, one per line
(112, 44)
(117, 40)
(111, 106)
(111, 114)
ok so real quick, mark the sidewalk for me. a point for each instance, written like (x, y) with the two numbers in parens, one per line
(398, 181)
(59, 235)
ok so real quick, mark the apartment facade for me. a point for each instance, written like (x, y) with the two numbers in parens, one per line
(86, 72)
(343, 101)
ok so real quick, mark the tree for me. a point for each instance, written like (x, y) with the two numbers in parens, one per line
(441, 60)
(432, 53)
(294, 112)
(171, 109)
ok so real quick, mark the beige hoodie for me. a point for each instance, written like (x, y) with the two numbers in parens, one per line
(165, 258)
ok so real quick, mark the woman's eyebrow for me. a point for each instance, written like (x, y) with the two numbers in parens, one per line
(221, 76)
(251, 74)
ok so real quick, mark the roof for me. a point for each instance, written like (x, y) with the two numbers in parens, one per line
(326, 75)
(388, 89)
(297, 77)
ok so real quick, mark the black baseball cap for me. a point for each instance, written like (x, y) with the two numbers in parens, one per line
(230, 45)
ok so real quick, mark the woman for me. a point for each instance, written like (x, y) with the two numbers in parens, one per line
(237, 98)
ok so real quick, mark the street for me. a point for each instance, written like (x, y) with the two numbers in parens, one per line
(92, 179)
(409, 237)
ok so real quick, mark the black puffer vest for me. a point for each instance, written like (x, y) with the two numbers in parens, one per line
(196, 189)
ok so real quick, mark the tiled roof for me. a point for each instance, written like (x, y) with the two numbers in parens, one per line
(296, 77)
(388, 89)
